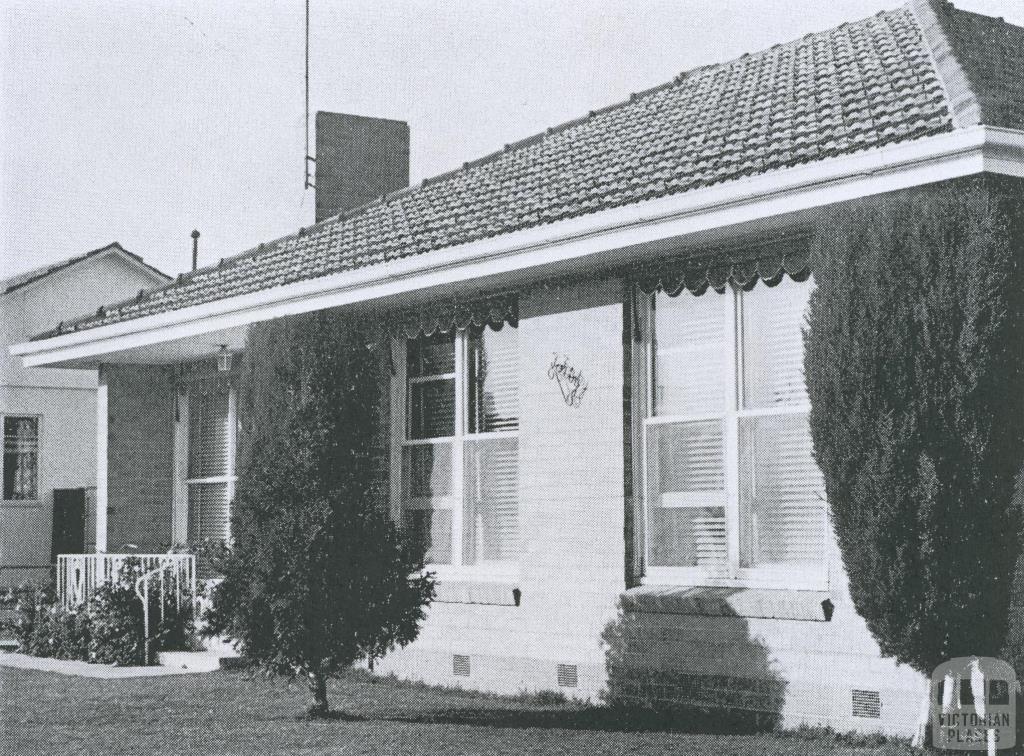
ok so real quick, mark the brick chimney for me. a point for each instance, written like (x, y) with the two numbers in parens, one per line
(357, 160)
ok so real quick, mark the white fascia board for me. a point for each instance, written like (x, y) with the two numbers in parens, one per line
(1004, 151)
(939, 158)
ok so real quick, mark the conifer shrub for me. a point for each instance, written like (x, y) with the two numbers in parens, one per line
(915, 369)
(317, 576)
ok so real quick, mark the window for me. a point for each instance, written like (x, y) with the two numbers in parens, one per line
(459, 446)
(211, 464)
(21, 458)
(732, 489)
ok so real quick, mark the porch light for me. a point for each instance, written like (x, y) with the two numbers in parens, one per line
(223, 359)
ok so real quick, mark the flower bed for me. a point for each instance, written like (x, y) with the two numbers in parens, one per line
(109, 629)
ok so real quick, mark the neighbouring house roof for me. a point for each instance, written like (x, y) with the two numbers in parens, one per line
(901, 75)
(15, 282)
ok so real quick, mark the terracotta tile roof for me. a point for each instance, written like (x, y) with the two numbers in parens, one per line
(991, 55)
(861, 85)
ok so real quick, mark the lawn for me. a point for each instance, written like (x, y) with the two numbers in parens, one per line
(231, 713)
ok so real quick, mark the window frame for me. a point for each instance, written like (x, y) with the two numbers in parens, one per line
(38, 499)
(400, 426)
(734, 412)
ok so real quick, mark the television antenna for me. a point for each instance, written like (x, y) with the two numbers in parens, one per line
(309, 159)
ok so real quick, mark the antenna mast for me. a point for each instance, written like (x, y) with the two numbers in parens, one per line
(307, 184)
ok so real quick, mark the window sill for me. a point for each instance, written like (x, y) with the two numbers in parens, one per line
(20, 503)
(688, 577)
(762, 603)
(486, 592)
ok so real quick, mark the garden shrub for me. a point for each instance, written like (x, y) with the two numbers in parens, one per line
(109, 629)
(914, 369)
(70, 633)
(43, 628)
(118, 627)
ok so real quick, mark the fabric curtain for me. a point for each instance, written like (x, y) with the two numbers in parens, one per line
(21, 458)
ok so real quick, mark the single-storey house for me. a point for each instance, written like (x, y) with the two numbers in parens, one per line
(616, 479)
(49, 415)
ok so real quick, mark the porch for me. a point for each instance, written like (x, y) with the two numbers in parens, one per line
(165, 464)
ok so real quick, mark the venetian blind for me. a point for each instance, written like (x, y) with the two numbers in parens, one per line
(491, 463)
(686, 475)
(491, 524)
(782, 503)
(715, 429)
(460, 451)
(208, 448)
(208, 512)
(494, 381)
(690, 354)
(773, 348)
(208, 433)
(686, 455)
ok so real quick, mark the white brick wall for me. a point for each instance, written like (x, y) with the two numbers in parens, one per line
(572, 569)
(572, 566)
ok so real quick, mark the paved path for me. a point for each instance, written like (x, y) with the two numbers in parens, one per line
(84, 669)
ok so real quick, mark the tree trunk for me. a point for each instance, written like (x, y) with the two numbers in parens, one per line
(318, 687)
(924, 717)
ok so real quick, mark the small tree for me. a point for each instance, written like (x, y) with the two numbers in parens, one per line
(915, 368)
(317, 576)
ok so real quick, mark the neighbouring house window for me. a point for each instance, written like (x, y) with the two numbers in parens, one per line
(732, 489)
(211, 464)
(459, 446)
(21, 458)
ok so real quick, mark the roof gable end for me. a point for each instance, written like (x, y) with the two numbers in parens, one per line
(114, 248)
(980, 60)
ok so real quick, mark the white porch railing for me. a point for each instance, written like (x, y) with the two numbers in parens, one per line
(79, 575)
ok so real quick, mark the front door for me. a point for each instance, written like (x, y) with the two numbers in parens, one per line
(68, 522)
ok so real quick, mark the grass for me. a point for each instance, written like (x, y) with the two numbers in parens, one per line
(232, 713)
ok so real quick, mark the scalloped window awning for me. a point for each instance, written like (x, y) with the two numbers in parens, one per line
(743, 268)
(458, 315)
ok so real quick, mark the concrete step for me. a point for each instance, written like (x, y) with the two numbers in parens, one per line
(196, 661)
(219, 646)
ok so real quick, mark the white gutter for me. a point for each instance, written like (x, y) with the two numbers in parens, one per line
(939, 158)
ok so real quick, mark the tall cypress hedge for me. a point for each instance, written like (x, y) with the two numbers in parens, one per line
(915, 368)
(318, 576)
